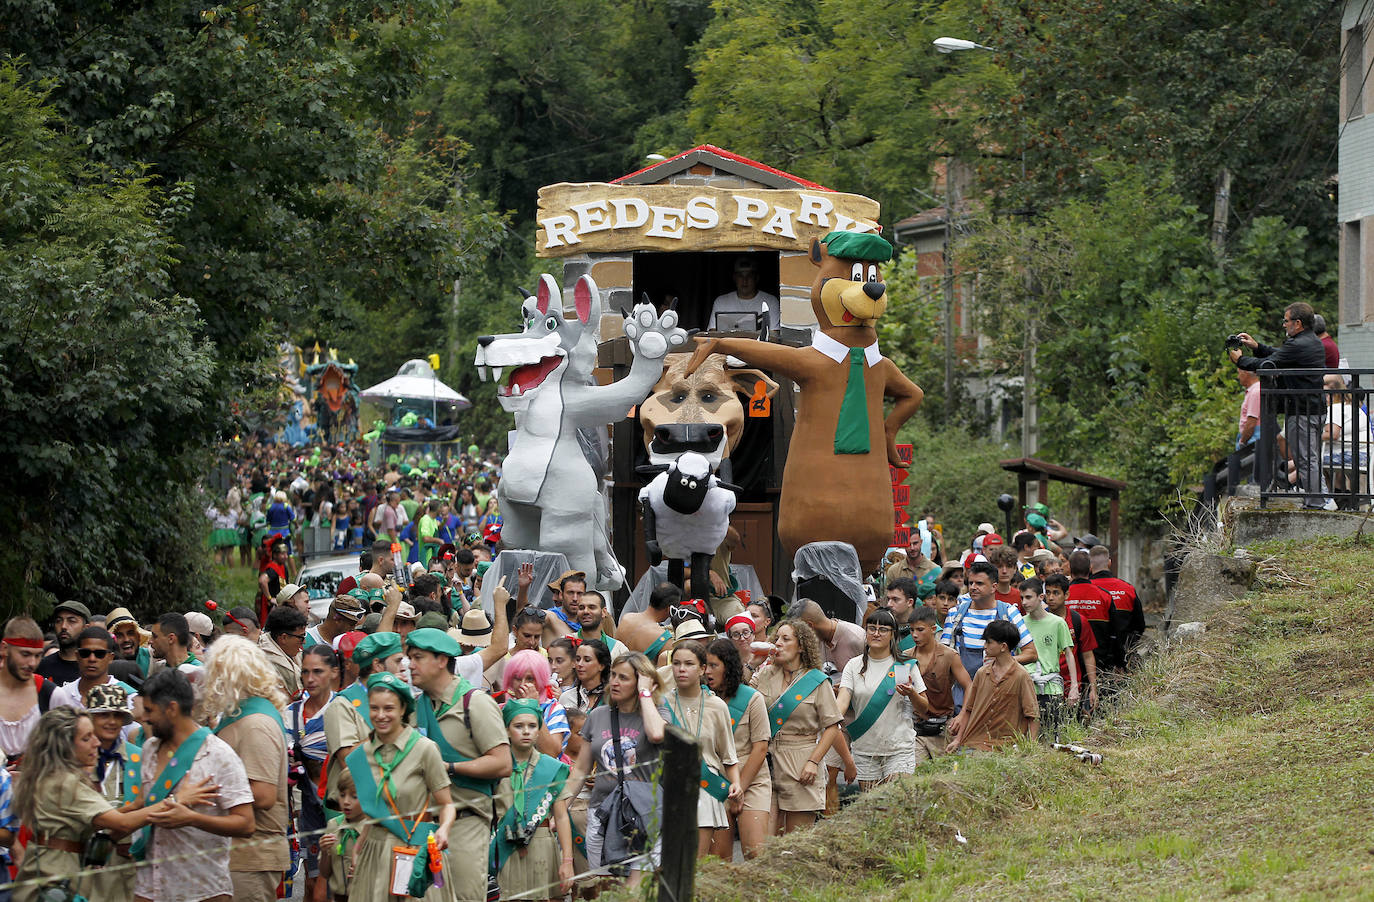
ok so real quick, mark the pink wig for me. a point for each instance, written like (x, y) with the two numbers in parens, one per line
(527, 662)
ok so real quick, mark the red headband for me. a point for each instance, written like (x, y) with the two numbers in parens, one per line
(743, 620)
(24, 643)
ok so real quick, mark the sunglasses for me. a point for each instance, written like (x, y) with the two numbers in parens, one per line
(92, 652)
(532, 611)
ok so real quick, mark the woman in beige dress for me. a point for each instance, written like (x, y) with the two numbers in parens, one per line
(749, 813)
(416, 786)
(805, 705)
(54, 797)
(707, 720)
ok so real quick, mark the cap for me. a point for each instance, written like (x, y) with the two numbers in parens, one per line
(1087, 540)
(746, 264)
(431, 620)
(1041, 554)
(517, 706)
(691, 628)
(346, 585)
(557, 583)
(377, 645)
(1037, 521)
(371, 623)
(73, 607)
(433, 640)
(986, 527)
(416, 569)
(345, 644)
(348, 607)
(1041, 509)
(109, 698)
(405, 611)
(391, 683)
(992, 539)
(118, 616)
(970, 558)
(288, 592)
(476, 629)
(200, 624)
(483, 567)
(949, 566)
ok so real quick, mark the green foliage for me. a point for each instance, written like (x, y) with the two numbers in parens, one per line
(100, 370)
(1191, 85)
(846, 93)
(549, 92)
(1130, 309)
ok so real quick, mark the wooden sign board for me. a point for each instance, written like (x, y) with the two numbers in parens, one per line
(595, 217)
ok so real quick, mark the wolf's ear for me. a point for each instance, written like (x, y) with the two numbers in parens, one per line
(548, 296)
(587, 300)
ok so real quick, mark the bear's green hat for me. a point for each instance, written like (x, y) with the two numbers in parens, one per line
(858, 246)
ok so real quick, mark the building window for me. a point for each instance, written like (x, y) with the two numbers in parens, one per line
(1354, 76)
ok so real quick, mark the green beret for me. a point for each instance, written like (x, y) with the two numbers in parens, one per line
(404, 469)
(378, 646)
(431, 620)
(858, 246)
(433, 465)
(390, 682)
(433, 640)
(517, 706)
(483, 567)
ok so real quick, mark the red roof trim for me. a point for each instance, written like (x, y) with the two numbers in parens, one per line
(734, 157)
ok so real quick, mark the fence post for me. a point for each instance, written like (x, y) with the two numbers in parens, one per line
(680, 783)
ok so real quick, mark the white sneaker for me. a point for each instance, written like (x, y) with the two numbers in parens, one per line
(1330, 504)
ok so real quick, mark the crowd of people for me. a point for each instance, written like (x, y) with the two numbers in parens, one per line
(410, 742)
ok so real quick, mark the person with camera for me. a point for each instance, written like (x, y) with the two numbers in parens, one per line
(1305, 408)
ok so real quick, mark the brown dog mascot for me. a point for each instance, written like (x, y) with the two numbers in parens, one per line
(836, 486)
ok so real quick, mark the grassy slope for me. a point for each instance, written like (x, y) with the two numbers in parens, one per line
(1235, 766)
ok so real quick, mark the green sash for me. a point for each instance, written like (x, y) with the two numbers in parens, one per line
(739, 703)
(907, 643)
(177, 768)
(429, 726)
(851, 427)
(712, 782)
(357, 697)
(808, 683)
(133, 771)
(877, 704)
(653, 650)
(547, 772)
(374, 805)
(254, 704)
(144, 659)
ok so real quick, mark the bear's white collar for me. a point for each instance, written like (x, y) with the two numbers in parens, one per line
(840, 353)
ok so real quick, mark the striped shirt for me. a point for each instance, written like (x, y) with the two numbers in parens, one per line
(310, 734)
(975, 621)
(556, 719)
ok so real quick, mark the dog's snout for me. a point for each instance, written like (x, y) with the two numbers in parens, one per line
(485, 340)
(874, 290)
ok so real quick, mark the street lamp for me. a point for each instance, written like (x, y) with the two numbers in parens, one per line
(1030, 438)
(954, 45)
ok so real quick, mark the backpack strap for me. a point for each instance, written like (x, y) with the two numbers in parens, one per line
(45, 689)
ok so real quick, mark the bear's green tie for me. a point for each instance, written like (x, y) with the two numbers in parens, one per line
(851, 431)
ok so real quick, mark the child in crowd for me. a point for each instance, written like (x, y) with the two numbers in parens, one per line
(525, 855)
(336, 846)
(1052, 639)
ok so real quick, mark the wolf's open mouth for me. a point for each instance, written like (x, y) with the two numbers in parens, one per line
(524, 378)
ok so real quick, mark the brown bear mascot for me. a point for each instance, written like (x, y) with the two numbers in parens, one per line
(836, 486)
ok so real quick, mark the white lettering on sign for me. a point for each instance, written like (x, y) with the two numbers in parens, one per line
(622, 205)
(815, 210)
(560, 230)
(591, 217)
(601, 218)
(667, 223)
(748, 209)
(701, 213)
(781, 223)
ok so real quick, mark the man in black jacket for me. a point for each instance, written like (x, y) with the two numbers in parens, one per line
(1305, 408)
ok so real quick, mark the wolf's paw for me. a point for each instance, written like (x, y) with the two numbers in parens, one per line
(652, 335)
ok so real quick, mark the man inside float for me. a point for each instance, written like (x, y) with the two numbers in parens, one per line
(746, 299)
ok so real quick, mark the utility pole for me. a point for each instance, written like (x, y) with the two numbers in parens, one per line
(1030, 410)
(949, 289)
